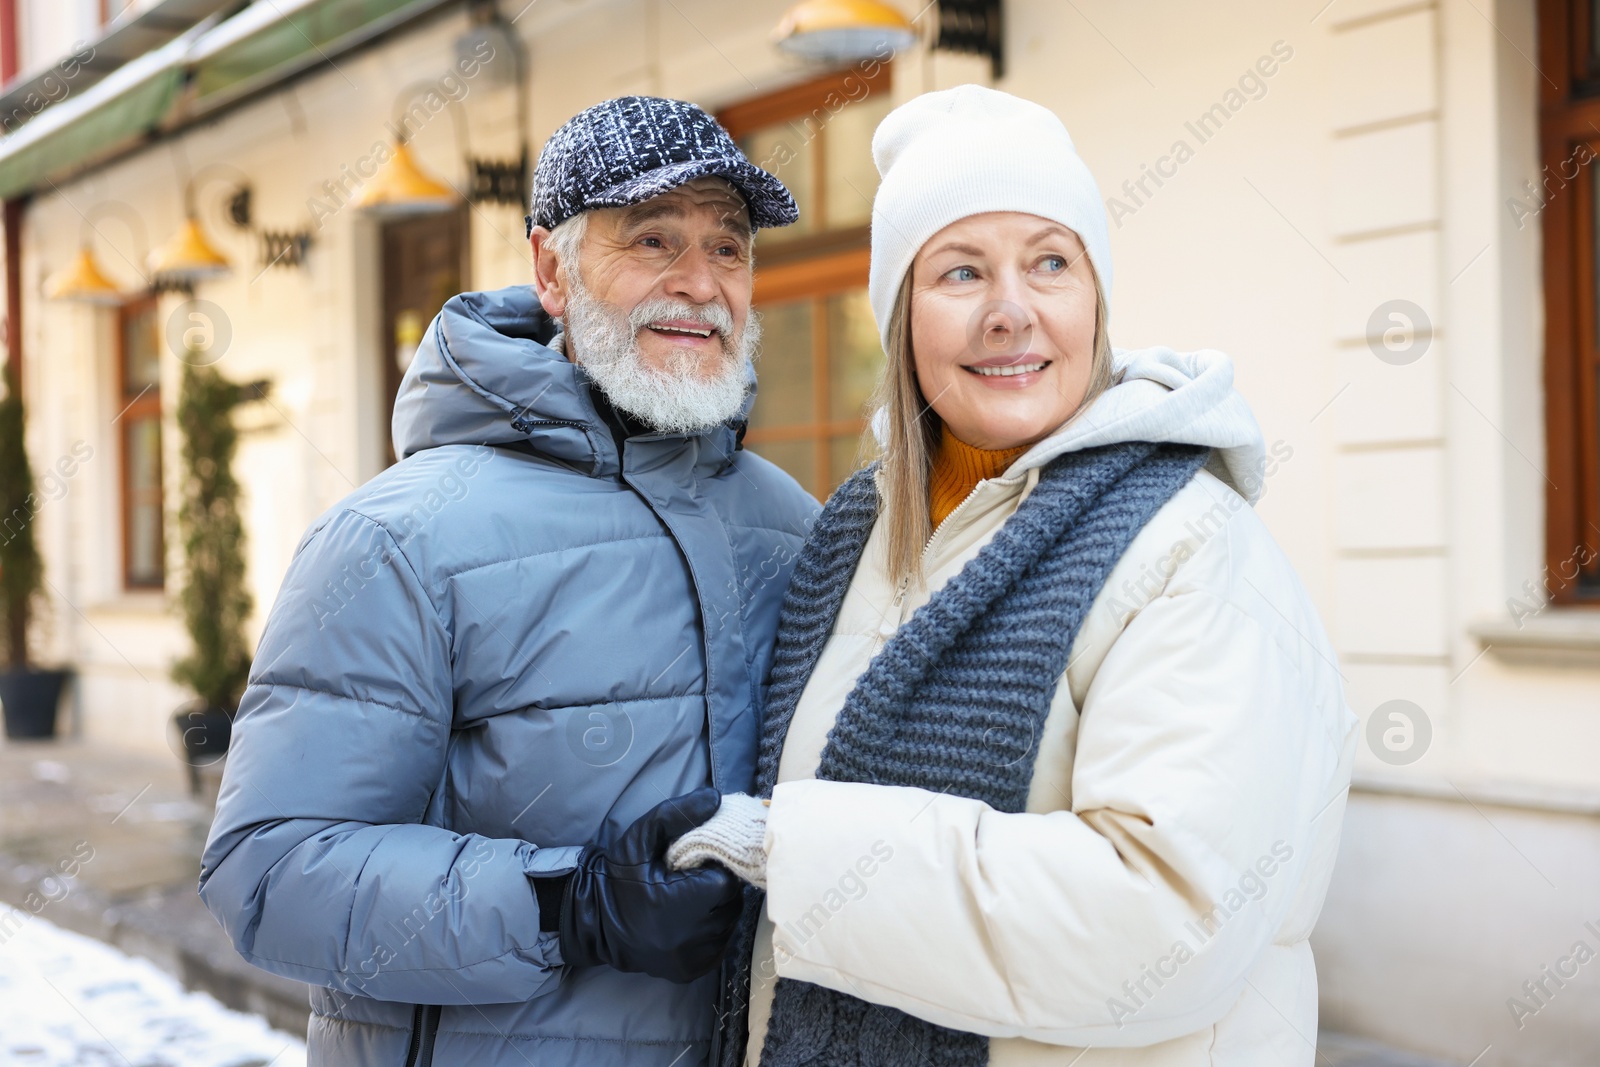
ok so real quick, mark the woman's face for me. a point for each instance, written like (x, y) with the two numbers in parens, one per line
(1002, 327)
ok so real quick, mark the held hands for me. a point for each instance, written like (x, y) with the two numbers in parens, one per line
(734, 837)
(627, 907)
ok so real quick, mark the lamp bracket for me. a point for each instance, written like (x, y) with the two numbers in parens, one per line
(975, 27)
(498, 181)
(239, 207)
(280, 248)
(259, 389)
(165, 283)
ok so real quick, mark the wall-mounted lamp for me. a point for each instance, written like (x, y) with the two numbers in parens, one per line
(187, 257)
(498, 181)
(82, 281)
(401, 188)
(848, 31)
(844, 31)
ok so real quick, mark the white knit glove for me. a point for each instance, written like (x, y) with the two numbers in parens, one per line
(734, 837)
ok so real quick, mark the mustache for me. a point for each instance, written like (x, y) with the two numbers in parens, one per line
(677, 397)
(713, 315)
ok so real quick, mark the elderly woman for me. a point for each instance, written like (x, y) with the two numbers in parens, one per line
(1055, 744)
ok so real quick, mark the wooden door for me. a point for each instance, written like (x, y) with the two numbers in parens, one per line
(424, 264)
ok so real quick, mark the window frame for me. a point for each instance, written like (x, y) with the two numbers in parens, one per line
(1569, 117)
(144, 406)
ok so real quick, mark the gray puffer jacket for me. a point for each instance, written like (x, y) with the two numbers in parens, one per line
(507, 646)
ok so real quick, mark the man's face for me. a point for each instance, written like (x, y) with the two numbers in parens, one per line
(657, 307)
(690, 245)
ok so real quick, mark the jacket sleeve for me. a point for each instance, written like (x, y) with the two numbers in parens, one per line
(1132, 918)
(318, 865)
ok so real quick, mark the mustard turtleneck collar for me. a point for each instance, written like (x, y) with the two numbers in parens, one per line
(958, 468)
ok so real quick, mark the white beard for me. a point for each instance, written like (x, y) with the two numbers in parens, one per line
(677, 398)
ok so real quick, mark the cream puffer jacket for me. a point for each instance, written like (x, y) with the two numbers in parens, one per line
(1152, 905)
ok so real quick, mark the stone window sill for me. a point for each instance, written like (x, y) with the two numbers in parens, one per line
(1565, 798)
(1558, 638)
(139, 604)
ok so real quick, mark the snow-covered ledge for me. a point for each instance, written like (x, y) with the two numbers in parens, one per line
(1554, 638)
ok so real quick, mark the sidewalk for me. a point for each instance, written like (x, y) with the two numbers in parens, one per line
(67, 1000)
(126, 829)
(107, 843)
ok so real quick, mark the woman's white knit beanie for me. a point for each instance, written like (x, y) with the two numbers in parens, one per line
(966, 151)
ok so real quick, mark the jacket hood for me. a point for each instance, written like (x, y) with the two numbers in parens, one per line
(490, 371)
(1165, 396)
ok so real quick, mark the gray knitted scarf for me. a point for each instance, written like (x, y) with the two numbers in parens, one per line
(953, 703)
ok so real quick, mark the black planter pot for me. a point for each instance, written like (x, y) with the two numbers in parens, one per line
(30, 699)
(203, 735)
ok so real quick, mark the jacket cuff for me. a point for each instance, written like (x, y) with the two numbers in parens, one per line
(550, 892)
(546, 862)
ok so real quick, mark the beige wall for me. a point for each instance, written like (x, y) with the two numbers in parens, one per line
(1441, 912)
(1374, 165)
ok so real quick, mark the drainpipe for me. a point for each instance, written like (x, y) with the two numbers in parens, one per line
(8, 41)
(11, 218)
(13, 228)
(12, 213)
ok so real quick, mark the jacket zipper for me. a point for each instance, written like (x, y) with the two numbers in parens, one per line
(933, 539)
(927, 549)
(724, 982)
(524, 425)
(430, 1031)
(424, 1029)
(416, 1036)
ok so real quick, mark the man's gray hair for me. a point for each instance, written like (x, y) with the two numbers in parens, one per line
(566, 241)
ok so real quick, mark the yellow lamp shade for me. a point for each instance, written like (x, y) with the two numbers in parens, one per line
(844, 30)
(187, 256)
(82, 280)
(401, 188)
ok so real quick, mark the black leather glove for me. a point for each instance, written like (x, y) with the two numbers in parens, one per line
(625, 907)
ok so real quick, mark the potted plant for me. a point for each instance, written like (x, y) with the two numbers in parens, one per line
(214, 600)
(30, 696)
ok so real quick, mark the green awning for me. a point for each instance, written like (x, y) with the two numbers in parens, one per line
(193, 76)
(229, 66)
(107, 118)
(137, 31)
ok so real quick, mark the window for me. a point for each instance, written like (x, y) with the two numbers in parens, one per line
(139, 397)
(820, 353)
(1567, 201)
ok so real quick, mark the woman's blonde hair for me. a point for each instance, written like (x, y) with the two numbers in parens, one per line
(912, 430)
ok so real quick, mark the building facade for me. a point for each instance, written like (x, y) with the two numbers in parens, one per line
(1382, 209)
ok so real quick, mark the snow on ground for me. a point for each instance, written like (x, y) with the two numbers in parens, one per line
(67, 1000)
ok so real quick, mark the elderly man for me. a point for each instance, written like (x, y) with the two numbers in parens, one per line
(504, 675)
